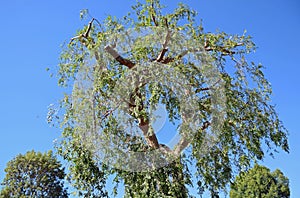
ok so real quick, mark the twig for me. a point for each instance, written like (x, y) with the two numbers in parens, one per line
(202, 89)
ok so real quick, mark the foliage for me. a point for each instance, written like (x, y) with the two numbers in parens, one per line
(250, 120)
(34, 175)
(260, 182)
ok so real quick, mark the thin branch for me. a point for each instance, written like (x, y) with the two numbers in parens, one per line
(205, 125)
(171, 59)
(87, 32)
(154, 20)
(152, 15)
(86, 35)
(207, 88)
(222, 49)
(107, 113)
(165, 44)
(166, 23)
(75, 37)
(202, 89)
(207, 48)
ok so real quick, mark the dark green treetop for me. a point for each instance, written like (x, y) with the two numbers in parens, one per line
(34, 174)
(260, 182)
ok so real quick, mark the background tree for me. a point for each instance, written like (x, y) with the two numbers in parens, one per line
(260, 182)
(250, 120)
(34, 175)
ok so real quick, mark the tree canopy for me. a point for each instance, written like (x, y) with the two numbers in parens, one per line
(260, 182)
(230, 119)
(34, 174)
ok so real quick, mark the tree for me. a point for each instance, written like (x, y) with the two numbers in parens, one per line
(260, 182)
(34, 175)
(221, 129)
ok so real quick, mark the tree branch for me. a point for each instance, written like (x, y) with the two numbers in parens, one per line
(171, 59)
(151, 139)
(165, 149)
(154, 20)
(183, 143)
(164, 47)
(87, 32)
(152, 15)
(207, 88)
(119, 58)
(85, 35)
(144, 123)
(221, 49)
(207, 48)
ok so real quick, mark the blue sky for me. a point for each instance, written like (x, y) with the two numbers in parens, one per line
(32, 32)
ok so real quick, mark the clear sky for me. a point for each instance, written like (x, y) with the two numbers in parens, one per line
(32, 32)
